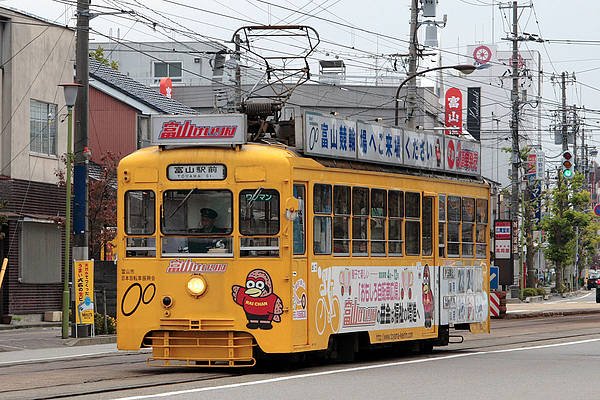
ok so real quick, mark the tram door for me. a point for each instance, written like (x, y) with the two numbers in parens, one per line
(300, 270)
(429, 251)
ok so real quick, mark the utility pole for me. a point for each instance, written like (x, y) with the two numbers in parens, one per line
(565, 145)
(80, 215)
(411, 89)
(80, 198)
(238, 75)
(514, 204)
(575, 129)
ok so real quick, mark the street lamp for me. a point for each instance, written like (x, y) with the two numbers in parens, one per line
(70, 97)
(464, 68)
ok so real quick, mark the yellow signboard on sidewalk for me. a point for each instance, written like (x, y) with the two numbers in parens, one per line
(84, 292)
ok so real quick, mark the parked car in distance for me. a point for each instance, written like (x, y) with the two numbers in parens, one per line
(592, 281)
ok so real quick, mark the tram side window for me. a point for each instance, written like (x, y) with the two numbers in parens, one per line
(468, 224)
(139, 212)
(442, 225)
(299, 227)
(453, 224)
(360, 220)
(396, 215)
(322, 223)
(378, 219)
(341, 220)
(427, 226)
(413, 224)
(259, 215)
(481, 228)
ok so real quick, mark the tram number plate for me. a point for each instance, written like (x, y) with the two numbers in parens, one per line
(196, 172)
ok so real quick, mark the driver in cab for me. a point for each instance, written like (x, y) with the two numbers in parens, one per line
(208, 216)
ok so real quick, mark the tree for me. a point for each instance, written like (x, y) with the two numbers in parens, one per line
(98, 55)
(569, 213)
(102, 207)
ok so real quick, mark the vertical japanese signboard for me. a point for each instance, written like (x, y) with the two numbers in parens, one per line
(84, 292)
(474, 112)
(329, 136)
(453, 106)
(502, 250)
(379, 143)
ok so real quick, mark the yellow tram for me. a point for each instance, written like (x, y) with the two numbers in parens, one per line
(228, 250)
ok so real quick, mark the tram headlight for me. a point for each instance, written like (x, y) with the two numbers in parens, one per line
(196, 286)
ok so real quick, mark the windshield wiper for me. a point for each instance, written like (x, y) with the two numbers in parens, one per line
(254, 197)
(182, 202)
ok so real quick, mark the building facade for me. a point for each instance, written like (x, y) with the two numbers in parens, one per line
(36, 56)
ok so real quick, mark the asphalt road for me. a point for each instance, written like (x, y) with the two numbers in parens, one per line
(549, 358)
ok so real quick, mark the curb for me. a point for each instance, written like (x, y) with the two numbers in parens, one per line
(536, 314)
(6, 327)
(89, 341)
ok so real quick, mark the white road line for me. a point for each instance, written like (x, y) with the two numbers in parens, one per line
(340, 371)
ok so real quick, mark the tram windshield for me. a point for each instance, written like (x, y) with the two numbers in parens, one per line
(197, 212)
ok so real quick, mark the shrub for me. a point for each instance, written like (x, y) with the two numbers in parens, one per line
(541, 291)
(99, 324)
(528, 292)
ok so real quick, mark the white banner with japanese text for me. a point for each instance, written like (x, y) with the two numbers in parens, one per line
(463, 156)
(379, 143)
(423, 150)
(375, 298)
(328, 136)
(464, 299)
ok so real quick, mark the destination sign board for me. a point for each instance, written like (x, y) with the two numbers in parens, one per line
(196, 172)
(192, 129)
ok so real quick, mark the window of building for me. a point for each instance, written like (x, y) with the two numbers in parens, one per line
(40, 253)
(42, 128)
(442, 225)
(360, 221)
(341, 220)
(468, 224)
(322, 223)
(412, 225)
(481, 228)
(453, 226)
(378, 220)
(171, 70)
(396, 215)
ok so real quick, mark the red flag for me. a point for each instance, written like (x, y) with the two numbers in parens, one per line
(166, 87)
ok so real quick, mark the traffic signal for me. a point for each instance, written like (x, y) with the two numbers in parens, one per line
(567, 164)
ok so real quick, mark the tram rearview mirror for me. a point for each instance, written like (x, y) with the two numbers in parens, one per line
(292, 205)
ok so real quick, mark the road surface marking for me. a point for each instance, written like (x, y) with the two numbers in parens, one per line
(340, 371)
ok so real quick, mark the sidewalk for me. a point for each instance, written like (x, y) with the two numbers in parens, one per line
(580, 302)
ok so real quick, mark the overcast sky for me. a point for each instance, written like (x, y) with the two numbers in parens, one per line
(387, 23)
